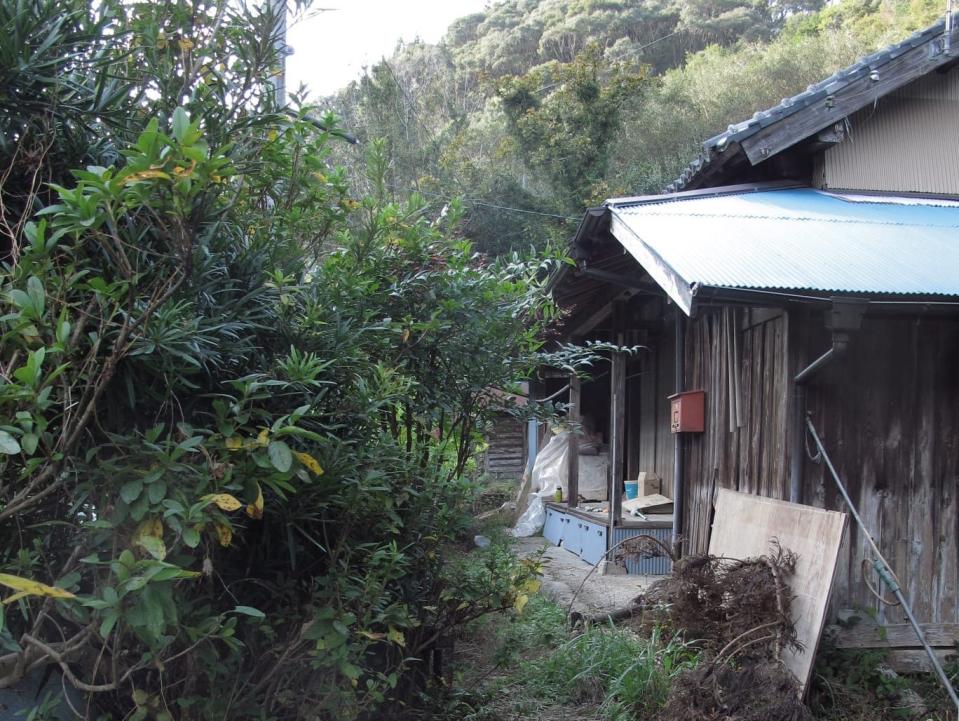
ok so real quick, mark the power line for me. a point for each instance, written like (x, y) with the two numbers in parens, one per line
(473, 201)
(520, 210)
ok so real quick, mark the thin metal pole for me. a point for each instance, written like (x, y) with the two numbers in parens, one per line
(278, 8)
(883, 569)
(807, 372)
(947, 39)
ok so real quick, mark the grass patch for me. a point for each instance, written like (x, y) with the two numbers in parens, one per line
(626, 675)
(533, 666)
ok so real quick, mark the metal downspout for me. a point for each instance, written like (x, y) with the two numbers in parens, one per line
(532, 442)
(679, 369)
(840, 341)
(799, 415)
(844, 318)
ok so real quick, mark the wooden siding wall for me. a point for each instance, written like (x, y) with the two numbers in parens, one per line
(888, 414)
(649, 441)
(752, 457)
(506, 456)
(905, 143)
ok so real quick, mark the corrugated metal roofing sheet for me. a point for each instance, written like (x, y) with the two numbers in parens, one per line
(792, 239)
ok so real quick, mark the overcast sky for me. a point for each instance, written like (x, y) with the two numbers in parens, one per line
(331, 48)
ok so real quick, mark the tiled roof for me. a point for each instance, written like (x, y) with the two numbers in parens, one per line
(871, 65)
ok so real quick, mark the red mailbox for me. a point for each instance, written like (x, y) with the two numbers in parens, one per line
(687, 412)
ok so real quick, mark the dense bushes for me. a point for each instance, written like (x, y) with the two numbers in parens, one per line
(238, 404)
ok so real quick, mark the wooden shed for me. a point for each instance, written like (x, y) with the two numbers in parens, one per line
(806, 265)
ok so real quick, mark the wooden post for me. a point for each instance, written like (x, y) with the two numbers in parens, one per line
(575, 418)
(617, 422)
(632, 423)
(679, 495)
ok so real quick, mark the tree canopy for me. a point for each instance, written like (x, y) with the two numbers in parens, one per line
(533, 109)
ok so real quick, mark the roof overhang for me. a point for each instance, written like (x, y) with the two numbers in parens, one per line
(781, 243)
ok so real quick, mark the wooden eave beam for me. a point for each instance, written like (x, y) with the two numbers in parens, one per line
(582, 323)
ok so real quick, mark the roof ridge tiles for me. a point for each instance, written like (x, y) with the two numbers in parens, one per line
(831, 85)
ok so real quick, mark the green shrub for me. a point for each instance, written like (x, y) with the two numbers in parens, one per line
(238, 399)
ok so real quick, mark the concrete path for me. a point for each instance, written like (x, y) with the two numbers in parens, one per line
(564, 572)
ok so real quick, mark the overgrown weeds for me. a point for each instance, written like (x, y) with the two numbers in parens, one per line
(626, 675)
(859, 685)
(534, 666)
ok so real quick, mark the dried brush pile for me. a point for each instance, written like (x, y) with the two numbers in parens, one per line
(738, 613)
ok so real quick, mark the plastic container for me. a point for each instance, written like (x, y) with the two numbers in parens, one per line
(632, 490)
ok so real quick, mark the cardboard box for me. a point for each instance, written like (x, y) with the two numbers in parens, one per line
(649, 484)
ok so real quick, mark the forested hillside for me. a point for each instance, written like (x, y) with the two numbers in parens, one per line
(533, 109)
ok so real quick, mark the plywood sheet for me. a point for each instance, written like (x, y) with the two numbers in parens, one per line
(743, 527)
(655, 503)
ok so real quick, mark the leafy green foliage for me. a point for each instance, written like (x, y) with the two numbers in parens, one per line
(533, 109)
(859, 684)
(567, 135)
(238, 399)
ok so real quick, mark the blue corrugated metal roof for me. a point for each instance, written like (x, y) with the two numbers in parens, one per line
(792, 239)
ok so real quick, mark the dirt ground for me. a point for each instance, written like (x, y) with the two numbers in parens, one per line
(564, 574)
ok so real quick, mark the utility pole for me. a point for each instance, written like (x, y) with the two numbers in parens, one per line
(947, 34)
(278, 8)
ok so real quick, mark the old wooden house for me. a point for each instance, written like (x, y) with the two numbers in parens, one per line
(805, 265)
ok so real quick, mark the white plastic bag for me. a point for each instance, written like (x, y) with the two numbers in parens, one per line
(549, 473)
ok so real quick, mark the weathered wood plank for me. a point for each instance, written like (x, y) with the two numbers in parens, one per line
(870, 635)
(915, 660)
(888, 415)
(633, 415)
(744, 527)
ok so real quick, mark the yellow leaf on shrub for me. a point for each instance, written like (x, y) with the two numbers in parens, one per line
(255, 509)
(145, 175)
(150, 527)
(28, 587)
(154, 546)
(309, 461)
(521, 602)
(532, 586)
(224, 501)
(396, 636)
(234, 443)
(224, 533)
(149, 537)
(263, 438)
